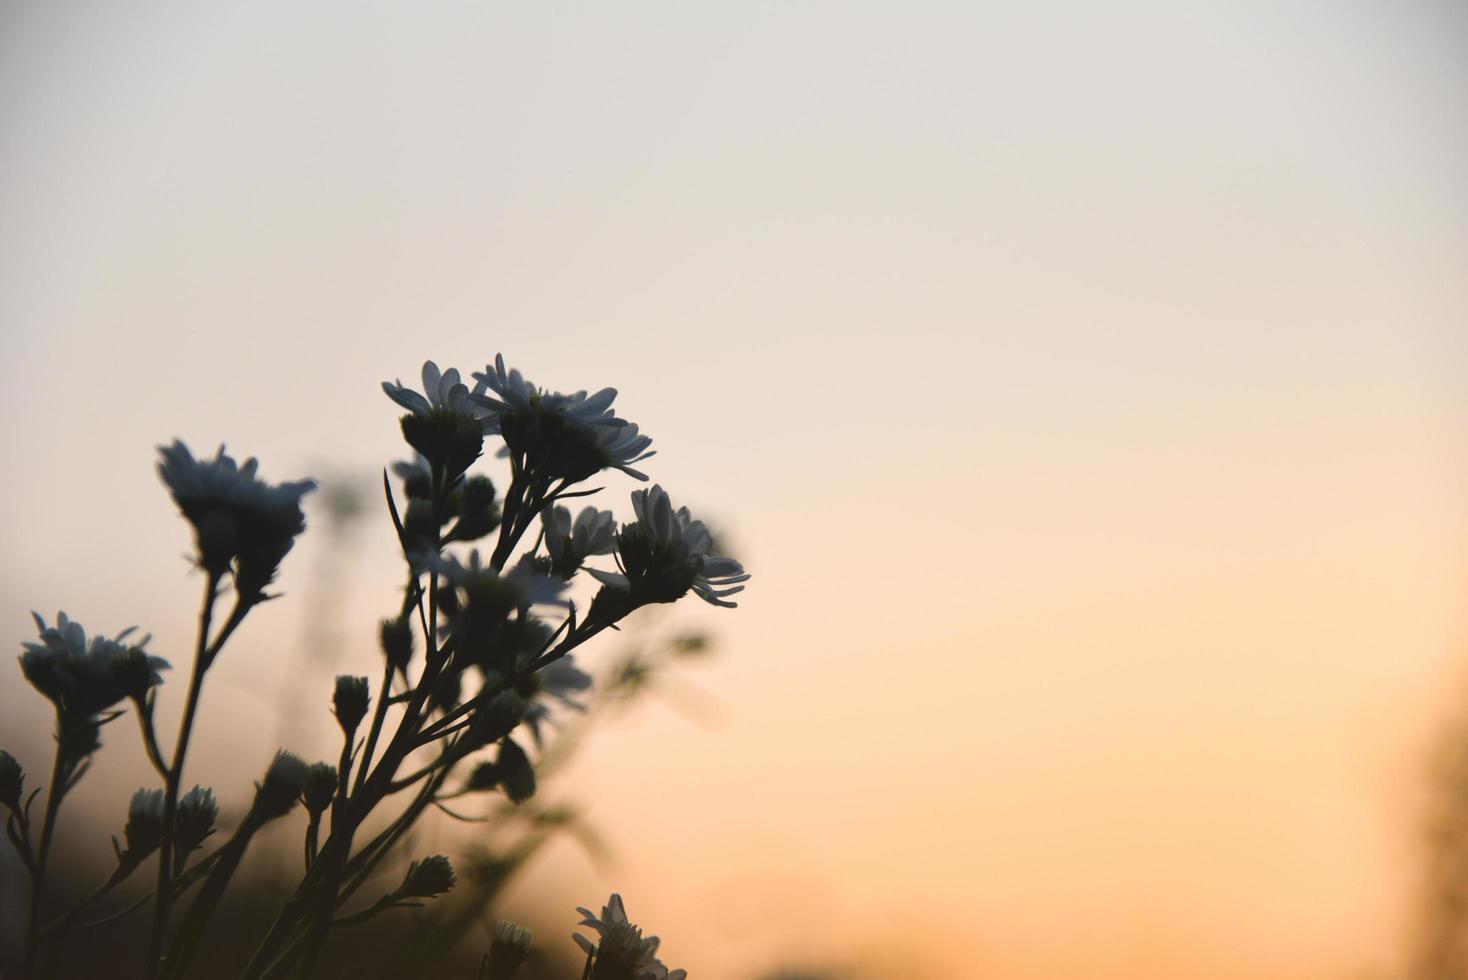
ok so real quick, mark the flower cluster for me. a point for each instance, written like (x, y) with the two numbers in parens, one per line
(478, 659)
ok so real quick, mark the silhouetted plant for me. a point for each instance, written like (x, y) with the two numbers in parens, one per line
(472, 659)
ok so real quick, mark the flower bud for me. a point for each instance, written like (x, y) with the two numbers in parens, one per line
(508, 950)
(427, 878)
(478, 512)
(320, 787)
(12, 782)
(397, 642)
(144, 829)
(284, 782)
(350, 700)
(516, 774)
(193, 821)
(497, 719)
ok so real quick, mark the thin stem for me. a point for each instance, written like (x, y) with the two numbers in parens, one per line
(150, 738)
(54, 795)
(173, 775)
(312, 826)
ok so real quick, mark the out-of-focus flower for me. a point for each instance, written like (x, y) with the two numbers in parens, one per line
(237, 517)
(507, 950)
(444, 423)
(569, 437)
(144, 829)
(664, 554)
(559, 681)
(84, 677)
(319, 788)
(514, 771)
(397, 642)
(427, 878)
(593, 532)
(521, 587)
(193, 821)
(281, 790)
(350, 700)
(12, 782)
(622, 953)
(417, 476)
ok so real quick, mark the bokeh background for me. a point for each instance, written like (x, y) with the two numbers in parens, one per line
(1086, 386)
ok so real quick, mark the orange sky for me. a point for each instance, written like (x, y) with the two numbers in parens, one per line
(1085, 391)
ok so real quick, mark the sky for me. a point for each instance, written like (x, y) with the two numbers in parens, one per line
(1083, 385)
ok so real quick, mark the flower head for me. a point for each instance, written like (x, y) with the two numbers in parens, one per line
(593, 532)
(665, 553)
(319, 788)
(349, 700)
(427, 878)
(444, 423)
(488, 597)
(84, 677)
(507, 951)
(558, 681)
(194, 819)
(239, 520)
(281, 789)
(144, 829)
(559, 436)
(622, 953)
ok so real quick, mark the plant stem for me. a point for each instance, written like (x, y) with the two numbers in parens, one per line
(54, 794)
(164, 898)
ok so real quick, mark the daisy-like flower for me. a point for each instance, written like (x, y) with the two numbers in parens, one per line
(444, 423)
(621, 952)
(526, 587)
(558, 683)
(559, 436)
(443, 391)
(665, 553)
(238, 519)
(594, 532)
(507, 951)
(83, 677)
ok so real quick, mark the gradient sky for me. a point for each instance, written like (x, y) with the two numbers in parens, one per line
(1085, 385)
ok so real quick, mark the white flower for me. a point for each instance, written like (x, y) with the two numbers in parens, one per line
(560, 680)
(83, 676)
(621, 951)
(665, 553)
(144, 827)
(575, 435)
(236, 516)
(443, 390)
(594, 532)
(532, 589)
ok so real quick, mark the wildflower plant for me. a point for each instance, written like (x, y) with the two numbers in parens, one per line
(472, 661)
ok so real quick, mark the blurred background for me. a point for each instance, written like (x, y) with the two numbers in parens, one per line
(1086, 387)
